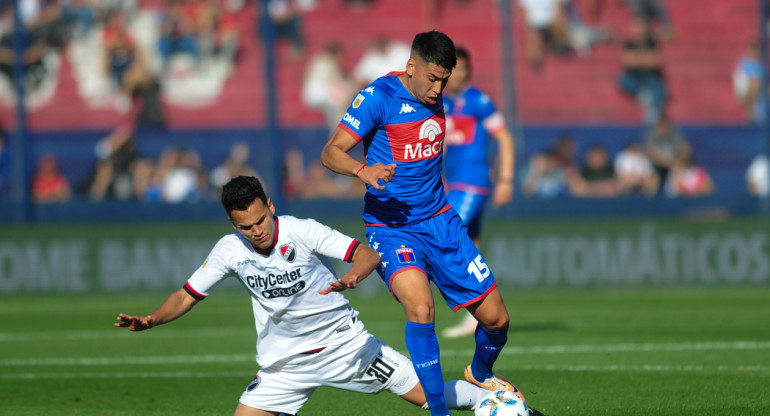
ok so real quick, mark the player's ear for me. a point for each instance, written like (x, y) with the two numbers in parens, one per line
(410, 66)
(270, 206)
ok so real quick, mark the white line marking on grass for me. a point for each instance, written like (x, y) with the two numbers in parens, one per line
(598, 348)
(232, 358)
(650, 368)
(97, 361)
(653, 368)
(118, 333)
(152, 374)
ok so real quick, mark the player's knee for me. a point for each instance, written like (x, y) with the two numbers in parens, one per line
(498, 325)
(421, 313)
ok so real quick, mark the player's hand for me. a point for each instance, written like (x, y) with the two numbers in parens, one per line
(134, 323)
(339, 285)
(503, 194)
(372, 174)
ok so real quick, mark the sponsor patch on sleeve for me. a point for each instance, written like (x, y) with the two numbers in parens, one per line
(358, 100)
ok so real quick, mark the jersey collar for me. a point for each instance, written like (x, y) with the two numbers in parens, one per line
(272, 246)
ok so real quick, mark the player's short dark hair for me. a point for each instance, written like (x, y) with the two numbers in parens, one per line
(435, 47)
(240, 192)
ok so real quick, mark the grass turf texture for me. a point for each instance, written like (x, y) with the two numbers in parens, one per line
(650, 352)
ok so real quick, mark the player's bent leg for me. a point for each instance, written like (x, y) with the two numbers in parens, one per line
(491, 312)
(491, 336)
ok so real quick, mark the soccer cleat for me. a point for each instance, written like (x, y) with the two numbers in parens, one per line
(535, 412)
(494, 383)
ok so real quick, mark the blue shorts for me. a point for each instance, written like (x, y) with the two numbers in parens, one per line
(440, 248)
(470, 207)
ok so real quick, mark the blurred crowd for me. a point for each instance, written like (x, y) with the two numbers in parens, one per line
(661, 163)
(129, 56)
(124, 55)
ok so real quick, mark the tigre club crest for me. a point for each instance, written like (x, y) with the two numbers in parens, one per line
(288, 252)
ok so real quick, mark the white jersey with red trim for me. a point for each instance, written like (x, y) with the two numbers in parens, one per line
(290, 315)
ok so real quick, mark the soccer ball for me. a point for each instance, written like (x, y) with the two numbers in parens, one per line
(502, 403)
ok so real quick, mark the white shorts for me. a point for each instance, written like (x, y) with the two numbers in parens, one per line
(365, 364)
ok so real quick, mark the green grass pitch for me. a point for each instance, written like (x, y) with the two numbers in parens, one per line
(573, 353)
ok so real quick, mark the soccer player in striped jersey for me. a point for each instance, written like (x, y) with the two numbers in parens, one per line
(472, 120)
(400, 120)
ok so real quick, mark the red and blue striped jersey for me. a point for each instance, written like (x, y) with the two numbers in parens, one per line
(396, 128)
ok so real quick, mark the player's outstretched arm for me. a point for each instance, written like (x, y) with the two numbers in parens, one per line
(336, 158)
(365, 260)
(176, 305)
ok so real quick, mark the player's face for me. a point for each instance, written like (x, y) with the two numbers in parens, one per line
(256, 223)
(459, 77)
(426, 80)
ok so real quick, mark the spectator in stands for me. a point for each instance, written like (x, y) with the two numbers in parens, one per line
(119, 172)
(546, 27)
(35, 69)
(286, 18)
(545, 177)
(216, 32)
(597, 175)
(236, 164)
(563, 155)
(584, 30)
(49, 185)
(326, 87)
(382, 57)
(758, 176)
(177, 33)
(226, 37)
(654, 15)
(127, 66)
(44, 23)
(635, 172)
(748, 78)
(642, 76)
(688, 179)
(125, 63)
(184, 180)
(314, 181)
(664, 145)
(78, 17)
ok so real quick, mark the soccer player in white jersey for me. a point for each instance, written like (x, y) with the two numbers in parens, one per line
(309, 336)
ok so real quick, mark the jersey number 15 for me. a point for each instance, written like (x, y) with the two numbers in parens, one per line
(478, 268)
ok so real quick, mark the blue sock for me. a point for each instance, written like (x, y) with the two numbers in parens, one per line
(489, 344)
(422, 344)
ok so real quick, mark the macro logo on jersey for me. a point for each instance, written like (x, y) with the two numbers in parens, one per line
(288, 252)
(460, 129)
(405, 255)
(274, 285)
(420, 140)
